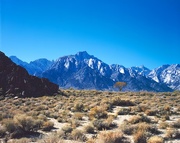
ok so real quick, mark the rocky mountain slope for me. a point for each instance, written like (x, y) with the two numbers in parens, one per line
(15, 81)
(84, 71)
(167, 74)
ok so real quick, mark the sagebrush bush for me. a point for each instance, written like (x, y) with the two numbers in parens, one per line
(138, 119)
(117, 101)
(140, 137)
(22, 140)
(89, 129)
(9, 125)
(2, 131)
(78, 115)
(78, 107)
(47, 126)
(26, 123)
(176, 124)
(155, 139)
(124, 111)
(111, 137)
(51, 139)
(97, 112)
(78, 135)
(67, 129)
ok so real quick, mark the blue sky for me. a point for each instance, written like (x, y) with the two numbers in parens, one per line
(125, 32)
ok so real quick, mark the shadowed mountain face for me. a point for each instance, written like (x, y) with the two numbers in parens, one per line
(84, 71)
(15, 81)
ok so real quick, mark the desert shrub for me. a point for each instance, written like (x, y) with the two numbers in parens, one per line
(2, 131)
(41, 107)
(9, 125)
(128, 129)
(138, 119)
(111, 137)
(109, 122)
(167, 108)
(89, 129)
(42, 117)
(172, 134)
(176, 124)
(26, 123)
(151, 112)
(97, 112)
(155, 139)
(67, 129)
(163, 125)
(51, 139)
(78, 107)
(22, 140)
(117, 101)
(148, 128)
(165, 117)
(78, 135)
(139, 137)
(47, 126)
(124, 111)
(103, 124)
(143, 107)
(74, 123)
(78, 115)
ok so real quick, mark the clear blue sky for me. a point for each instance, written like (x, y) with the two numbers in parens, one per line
(125, 32)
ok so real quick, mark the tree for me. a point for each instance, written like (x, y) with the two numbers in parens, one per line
(120, 85)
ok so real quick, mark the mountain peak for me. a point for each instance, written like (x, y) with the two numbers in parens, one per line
(83, 55)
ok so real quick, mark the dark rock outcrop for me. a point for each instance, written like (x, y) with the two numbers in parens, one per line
(15, 81)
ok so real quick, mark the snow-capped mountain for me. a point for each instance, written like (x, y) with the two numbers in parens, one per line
(167, 74)
(84, 71)
(142, 70)
(81, 71)
(35, 67)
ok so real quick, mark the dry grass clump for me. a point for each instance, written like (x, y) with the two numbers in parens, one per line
(111, 137)
(67, 129)
(163, 125)
(97, 112)
(78, 135)
(47, 126)
(124, 111)
(137, 119)
(74, 123)
(151, 112)
(78, 107)
(2, 131)
(20, 125)
(117, 101)
(51, 139)
(155, 139)
(22, 140)
(128, 129)
(145, 127)
(102, 124)
(78, 115)
(172, 134)
(140, 137)
(176, 124)
(89, 129)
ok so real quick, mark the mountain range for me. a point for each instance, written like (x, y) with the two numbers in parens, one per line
(84, 71)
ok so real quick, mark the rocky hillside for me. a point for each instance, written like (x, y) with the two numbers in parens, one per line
(15, 81)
